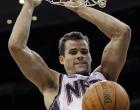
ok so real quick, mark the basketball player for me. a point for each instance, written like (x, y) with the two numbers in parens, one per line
(65, 92)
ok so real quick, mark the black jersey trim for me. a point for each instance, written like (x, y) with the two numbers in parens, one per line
(55, 99)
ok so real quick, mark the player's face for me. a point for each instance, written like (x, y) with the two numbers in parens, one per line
(77, 58)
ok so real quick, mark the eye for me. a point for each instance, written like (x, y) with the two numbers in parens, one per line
(72, 52)
(84, 51)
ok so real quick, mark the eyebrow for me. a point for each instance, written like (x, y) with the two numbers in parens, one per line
(76, 49)
(84, 49)
(73, 49)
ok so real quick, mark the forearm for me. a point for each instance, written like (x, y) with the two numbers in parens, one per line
(106, 23)
(21, 28)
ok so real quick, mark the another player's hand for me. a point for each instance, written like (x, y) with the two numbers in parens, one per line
(34, 2)
(74, 5)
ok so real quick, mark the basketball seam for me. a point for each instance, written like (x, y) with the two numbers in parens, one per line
(87, 105)
(115, 96)
(99, 97)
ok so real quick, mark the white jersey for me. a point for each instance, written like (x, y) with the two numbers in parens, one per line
(72, 88)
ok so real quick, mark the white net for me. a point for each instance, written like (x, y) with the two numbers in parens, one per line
(90, 3)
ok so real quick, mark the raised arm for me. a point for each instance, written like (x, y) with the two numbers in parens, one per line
(29, 62)
(115, 52)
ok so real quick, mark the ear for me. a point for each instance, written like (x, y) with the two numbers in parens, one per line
(61, 59)
(90, 58)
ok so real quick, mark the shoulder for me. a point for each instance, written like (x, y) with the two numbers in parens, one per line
(97, 74)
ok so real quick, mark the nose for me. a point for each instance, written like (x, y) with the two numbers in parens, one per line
(80, 56)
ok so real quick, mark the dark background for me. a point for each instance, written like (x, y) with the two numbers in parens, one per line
(17, 93)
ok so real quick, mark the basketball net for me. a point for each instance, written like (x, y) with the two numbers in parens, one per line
(90, 3)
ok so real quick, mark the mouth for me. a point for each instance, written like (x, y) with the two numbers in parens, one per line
(81, 63)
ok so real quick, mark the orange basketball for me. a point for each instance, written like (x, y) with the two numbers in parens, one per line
(105, 95)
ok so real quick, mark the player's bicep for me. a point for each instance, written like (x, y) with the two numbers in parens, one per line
(35, 69)
(114, 57)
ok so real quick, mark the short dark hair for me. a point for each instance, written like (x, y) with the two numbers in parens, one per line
(70, 36)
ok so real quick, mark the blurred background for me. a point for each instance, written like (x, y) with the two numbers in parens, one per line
(49, 23)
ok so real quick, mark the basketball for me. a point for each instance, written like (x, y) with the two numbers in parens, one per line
(105, 95)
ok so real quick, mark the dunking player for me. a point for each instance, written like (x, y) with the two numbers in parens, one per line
(64, 92)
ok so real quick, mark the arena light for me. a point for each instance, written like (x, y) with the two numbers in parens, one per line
(9, 21)
(21, 1)
(34, 18)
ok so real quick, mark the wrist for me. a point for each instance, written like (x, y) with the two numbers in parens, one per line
(29, 4)
(81, 9)
(29, 7)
